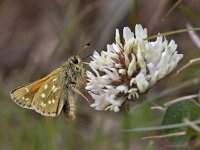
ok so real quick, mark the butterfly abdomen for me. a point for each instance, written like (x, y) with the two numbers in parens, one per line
(69, 107)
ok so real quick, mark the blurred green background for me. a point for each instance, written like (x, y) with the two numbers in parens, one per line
(37, 36)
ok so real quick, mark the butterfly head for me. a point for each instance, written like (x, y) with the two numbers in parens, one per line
(74, 69)
(76, 64)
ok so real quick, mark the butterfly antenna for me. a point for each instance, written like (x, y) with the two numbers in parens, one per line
(85, 46)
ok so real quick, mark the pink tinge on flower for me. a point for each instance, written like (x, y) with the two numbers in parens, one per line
(129, 68)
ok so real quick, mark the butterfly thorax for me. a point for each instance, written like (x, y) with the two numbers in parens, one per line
(73, 71)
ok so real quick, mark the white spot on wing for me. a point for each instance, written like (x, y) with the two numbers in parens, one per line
(46, 86)
(43, 104)
(27, 90)
(27, 99)
(55, 89)
(43, 95)
(49, 102)
(53, 101)
(54, 79)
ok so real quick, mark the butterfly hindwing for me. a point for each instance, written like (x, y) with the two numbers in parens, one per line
(23, 96)
(49, 100)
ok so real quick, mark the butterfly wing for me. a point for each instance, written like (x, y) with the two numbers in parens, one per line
(23, 96)
(49, 99)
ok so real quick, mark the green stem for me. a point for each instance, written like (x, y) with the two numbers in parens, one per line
(172, 32)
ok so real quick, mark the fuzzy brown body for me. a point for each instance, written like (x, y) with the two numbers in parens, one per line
(57, 91)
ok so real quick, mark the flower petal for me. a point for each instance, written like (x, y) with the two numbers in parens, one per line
(127, 34)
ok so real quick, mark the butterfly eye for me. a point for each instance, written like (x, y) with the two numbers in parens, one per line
(75, 60)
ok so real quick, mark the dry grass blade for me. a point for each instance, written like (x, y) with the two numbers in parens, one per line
(180, 99)
(193, 35)
(165, 135)
(191, 124)
(192, 61)
(162, 109)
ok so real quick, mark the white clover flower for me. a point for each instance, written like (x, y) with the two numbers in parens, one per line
(129, 68)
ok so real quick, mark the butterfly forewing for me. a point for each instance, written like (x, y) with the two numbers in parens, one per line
(49, 101)
(24, 95)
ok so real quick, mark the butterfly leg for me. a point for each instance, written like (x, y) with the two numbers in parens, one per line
(80, 93)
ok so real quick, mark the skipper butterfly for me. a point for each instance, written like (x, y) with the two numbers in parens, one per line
(55, 92)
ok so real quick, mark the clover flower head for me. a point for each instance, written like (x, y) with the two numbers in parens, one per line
(129, 67)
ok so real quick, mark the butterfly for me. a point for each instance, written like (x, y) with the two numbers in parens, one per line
(55, 92)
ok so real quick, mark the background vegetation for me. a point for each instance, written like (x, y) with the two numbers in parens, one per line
(37, 36)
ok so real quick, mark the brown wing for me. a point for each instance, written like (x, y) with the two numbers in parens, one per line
(49, 100)
(23, 96)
